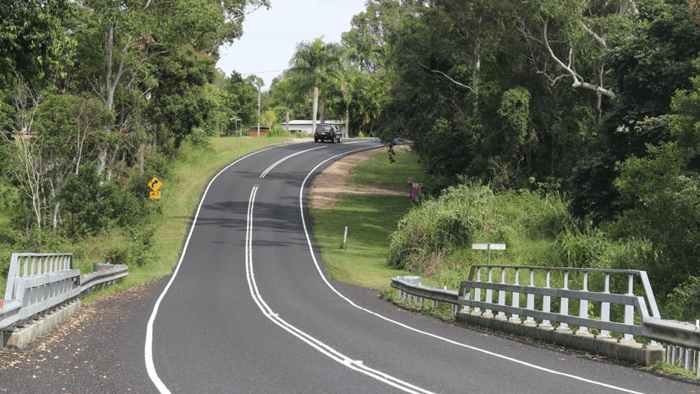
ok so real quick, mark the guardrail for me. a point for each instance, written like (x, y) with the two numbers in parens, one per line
(40, 282)
(543, 296)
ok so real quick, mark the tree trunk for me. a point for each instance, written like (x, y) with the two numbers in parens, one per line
(141, 155)
(322, 103)
(315, 110)
(347, 123)
(110, 86)
(475, 77)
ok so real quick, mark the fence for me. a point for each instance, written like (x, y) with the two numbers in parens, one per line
(39, 282)
(607, 303)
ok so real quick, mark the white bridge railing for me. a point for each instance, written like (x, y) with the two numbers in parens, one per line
(606, 303)
(40, 282)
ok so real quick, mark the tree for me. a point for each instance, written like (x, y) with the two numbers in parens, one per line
(56, 135)
(317, 65)
(179, 102)
(121, 36)
(453, 68)
(568, 39)
(648, 59)
(242, 98)
(661, 191)
(35, 43)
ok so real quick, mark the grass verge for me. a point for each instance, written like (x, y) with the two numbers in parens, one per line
(370, 220)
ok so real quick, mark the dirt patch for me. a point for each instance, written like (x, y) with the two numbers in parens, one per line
(331, 183)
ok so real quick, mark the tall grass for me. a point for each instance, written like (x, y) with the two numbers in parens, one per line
(461, 215)
(435, 238)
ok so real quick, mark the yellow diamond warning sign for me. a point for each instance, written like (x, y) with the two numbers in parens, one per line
(155, 184)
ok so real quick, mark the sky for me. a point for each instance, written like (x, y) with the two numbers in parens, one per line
(271, 36)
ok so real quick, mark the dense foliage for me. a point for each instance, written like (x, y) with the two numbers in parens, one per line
(96, 95)
(595, 101)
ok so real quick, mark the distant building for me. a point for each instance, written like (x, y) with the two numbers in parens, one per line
(306, 126)
(254, 130)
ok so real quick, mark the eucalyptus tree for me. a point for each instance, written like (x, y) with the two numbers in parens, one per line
(366, 40)
(366, 53)
(36, 47)
(241, 98)
(649, 59)
(287, 99)
(317, 65)
(35, 41)
(120, 37)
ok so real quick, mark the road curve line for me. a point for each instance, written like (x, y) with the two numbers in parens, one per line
(282, 160)
(507, 358)
(148, 347)
(308, 339)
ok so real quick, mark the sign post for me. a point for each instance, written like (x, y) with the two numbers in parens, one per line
(489, 247)
(155, 195)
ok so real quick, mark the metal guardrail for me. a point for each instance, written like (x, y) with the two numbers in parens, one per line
(503, 292)
(39, 282)
(411, 287)
(102, 274)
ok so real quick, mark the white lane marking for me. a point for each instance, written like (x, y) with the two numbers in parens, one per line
(356, 365)
(507, 358)
(282, 160)
(148, 347)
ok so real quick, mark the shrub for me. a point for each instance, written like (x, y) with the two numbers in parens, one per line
(137, 249)
(683, 302)
(277, 131)
(91, 207)
(427, 232)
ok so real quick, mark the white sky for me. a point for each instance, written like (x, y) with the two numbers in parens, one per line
(270, 36)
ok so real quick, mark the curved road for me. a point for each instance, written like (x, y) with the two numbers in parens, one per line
(249, 309)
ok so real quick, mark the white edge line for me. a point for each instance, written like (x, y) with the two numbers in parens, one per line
(320, 272)
(148, 347)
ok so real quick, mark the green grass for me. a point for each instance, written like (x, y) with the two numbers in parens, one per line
(370, 220)
(378, 171)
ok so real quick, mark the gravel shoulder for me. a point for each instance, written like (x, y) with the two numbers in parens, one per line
(87, 353)
(331, 183)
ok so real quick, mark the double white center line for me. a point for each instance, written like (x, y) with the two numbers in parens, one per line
(355, 365)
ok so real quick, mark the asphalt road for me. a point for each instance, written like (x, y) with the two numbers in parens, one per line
(250, 309)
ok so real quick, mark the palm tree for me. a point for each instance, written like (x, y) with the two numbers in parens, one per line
(317, 65)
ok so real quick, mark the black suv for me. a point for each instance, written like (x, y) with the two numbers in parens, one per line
(325, 131)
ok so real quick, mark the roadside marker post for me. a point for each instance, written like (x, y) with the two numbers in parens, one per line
(489, 247)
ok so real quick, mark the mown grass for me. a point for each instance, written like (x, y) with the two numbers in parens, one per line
(181, 191)
(380, 172)
(370, 219)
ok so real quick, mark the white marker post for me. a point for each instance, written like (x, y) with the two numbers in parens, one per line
(345, 238)
(489, 247)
